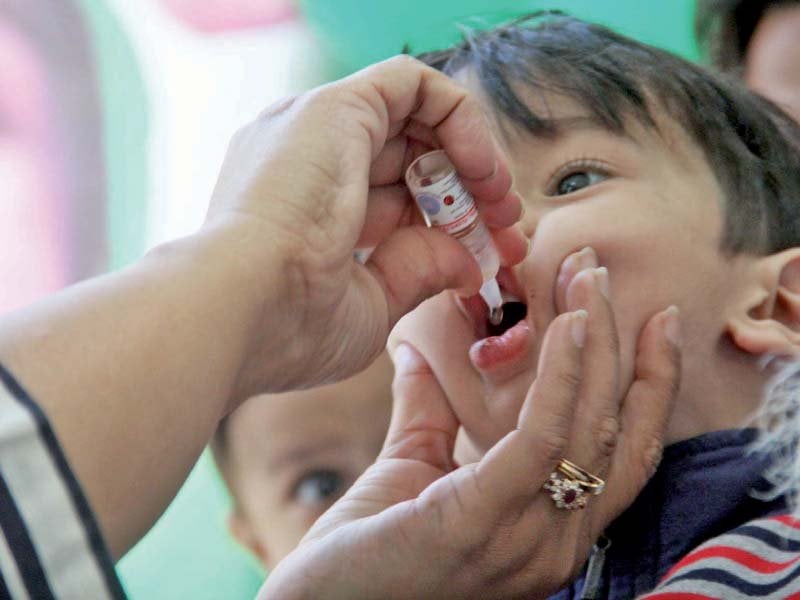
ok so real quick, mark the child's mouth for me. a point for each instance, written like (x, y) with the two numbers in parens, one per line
(501, 346)
(514, 309)
(513, 312)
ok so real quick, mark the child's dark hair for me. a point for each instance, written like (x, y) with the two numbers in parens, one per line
(724, 29)
(752, 147)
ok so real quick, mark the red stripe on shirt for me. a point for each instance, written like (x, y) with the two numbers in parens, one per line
(787, 520)
(746, 559)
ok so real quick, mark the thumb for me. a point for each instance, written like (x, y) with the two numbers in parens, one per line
(423, 425)
(415, 263)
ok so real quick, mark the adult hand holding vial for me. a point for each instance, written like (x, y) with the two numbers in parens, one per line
(449, 207)
(348, 191)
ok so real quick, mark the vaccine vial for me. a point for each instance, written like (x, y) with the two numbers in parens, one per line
(448, 206)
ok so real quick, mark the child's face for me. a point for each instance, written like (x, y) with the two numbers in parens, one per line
(649, 206)
(290, 456)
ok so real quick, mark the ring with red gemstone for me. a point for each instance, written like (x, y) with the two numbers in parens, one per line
(566, 493)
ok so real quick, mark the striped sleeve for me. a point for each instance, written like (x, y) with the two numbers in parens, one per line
(50, 543)
(760, 559)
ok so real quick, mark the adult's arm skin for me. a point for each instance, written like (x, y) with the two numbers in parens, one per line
(135, 369)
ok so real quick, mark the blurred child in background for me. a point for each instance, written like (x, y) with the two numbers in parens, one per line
(757, 41)
(286, 458)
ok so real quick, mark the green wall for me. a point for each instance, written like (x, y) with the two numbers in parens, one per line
(359, 32)
(189, 554)
(125, 122)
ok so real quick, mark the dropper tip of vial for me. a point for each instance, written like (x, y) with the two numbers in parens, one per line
(490, 292)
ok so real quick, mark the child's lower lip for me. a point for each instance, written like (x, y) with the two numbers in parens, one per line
(492, 352)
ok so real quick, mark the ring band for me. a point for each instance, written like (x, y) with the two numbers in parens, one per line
(588, 482)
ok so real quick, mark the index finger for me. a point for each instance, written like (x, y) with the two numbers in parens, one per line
(646, 410)
(402, 89)
(513, 471)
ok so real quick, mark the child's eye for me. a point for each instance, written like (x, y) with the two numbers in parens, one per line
(577, 180)
(318, 487)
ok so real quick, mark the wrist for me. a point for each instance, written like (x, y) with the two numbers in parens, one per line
(239, 278)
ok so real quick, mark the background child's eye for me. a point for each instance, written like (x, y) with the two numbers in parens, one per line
(318, 487)
(578, 180)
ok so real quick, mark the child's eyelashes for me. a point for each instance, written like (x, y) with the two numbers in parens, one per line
(320, 486)
(577, 181)
(575, 176)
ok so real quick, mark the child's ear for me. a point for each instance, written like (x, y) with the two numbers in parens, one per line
(243, 533)
(768, 321)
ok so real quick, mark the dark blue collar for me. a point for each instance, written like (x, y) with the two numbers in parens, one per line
(700, 490)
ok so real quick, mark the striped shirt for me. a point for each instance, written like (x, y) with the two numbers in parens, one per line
(50, 543)
(760, 559)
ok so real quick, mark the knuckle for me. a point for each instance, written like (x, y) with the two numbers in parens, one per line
(568, 380)
(651, 456)
(472, 104)
(551, 443)
(606, 432)
(407, 383)
(664, 376)
(664, 387)
(429, 268)
(276, 108)
(405, 61)
(330, 99)
(673, 383)
(612, 343)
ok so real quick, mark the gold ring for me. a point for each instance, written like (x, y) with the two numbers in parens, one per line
(588, 482)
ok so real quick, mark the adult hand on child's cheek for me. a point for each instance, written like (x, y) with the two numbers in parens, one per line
(416, 526)
(318, 175)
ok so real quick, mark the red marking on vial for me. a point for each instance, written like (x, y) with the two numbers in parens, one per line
(448, 200)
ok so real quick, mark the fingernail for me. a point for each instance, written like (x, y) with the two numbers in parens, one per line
(570, 264)
(578, 327)
(406, 358)
(601, 278)
(588, 258)
(672, 325)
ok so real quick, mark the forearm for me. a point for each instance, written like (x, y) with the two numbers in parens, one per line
(135, 369)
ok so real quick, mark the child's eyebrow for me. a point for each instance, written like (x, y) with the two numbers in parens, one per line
(304, 451)
(556, 128)
(565, 125)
